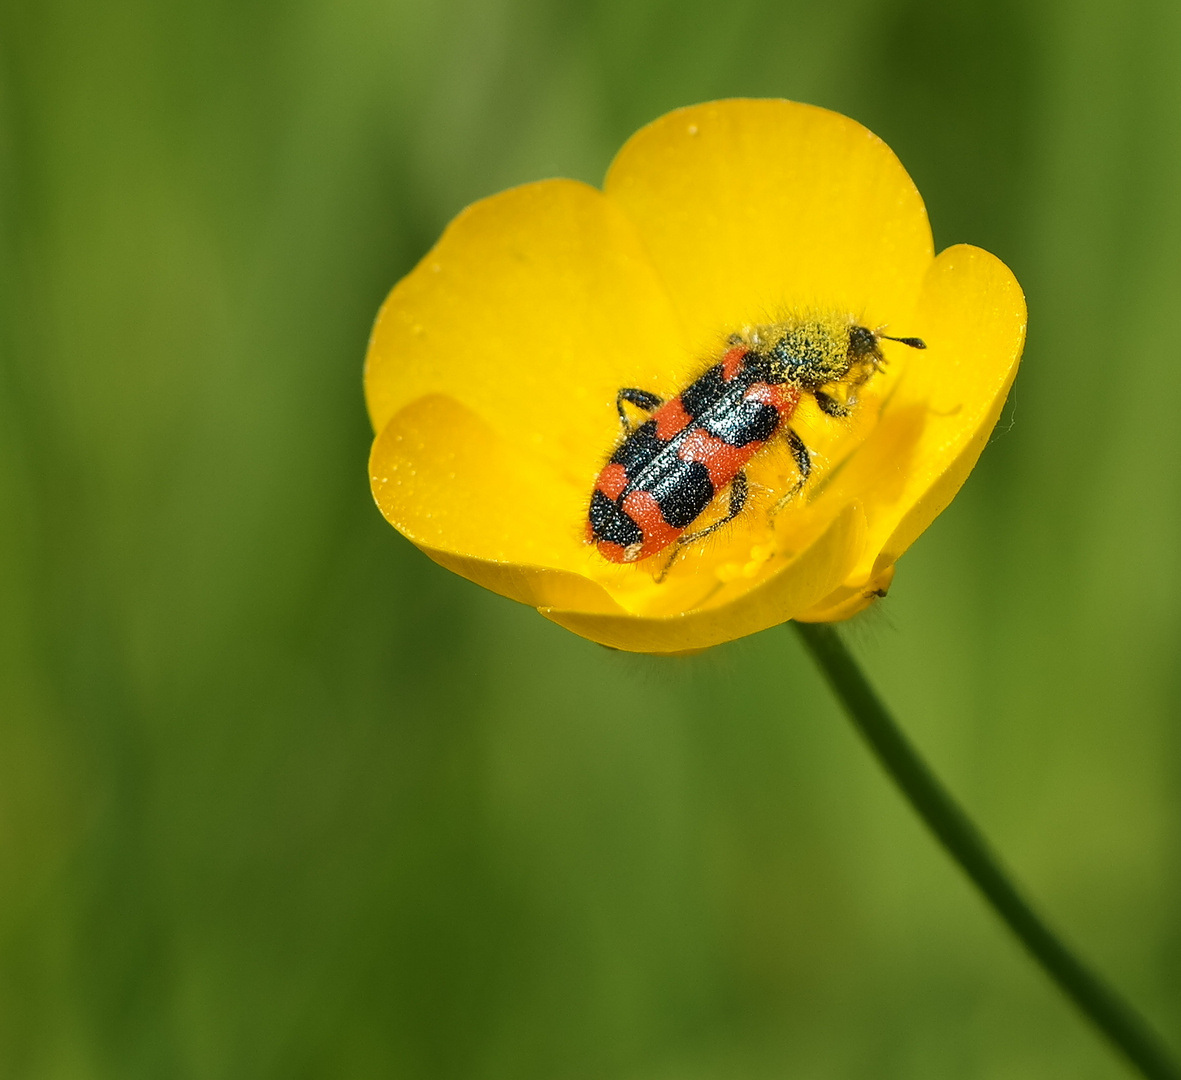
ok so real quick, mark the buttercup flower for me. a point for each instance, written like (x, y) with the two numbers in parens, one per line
(493, 371)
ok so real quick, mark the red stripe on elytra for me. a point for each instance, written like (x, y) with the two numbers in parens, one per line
(612, 552)
(644, 510)
(671, 418)
(721, 459)
(780, 396)
(612, 480)
(732, 361)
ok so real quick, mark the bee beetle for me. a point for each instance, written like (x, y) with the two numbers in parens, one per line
(667, 470)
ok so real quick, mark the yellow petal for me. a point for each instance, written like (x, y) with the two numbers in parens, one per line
(493, 368)
(847, 601)
(974, 311)
(814, 573)
(533, 308)
(972, 316)
(449, 483)
(750, 209)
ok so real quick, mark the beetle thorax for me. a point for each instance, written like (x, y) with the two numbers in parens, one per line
(812, 354)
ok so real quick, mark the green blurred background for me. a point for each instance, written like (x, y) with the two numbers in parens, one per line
(281, 798)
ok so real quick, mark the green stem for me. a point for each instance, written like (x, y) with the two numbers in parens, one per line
(1105, 1008)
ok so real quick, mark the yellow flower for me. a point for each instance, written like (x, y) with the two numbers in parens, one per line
(493, 369)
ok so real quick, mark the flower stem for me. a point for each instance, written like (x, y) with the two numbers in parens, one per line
(963, 841)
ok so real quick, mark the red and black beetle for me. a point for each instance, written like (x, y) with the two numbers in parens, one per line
(667, 470)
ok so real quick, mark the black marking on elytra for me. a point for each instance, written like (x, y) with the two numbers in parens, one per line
(743, 423)
(610, 523)
(739, 488)
(640, 447)
(705, 392)
(682, 491)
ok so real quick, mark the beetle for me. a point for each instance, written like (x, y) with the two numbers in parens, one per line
(666, 471)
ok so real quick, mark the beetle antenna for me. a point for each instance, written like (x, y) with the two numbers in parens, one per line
(913, 342)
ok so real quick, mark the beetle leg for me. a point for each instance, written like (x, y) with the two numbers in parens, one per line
(829, 405)
(739, 488)
(803, 462)
(641, 399)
